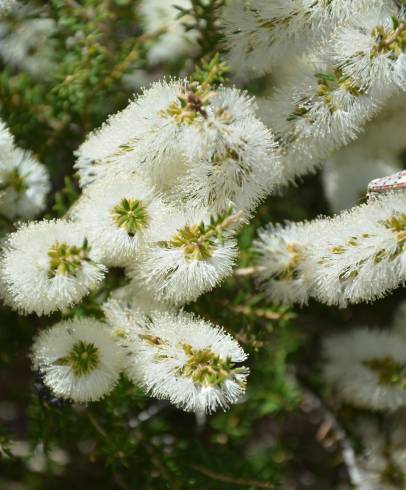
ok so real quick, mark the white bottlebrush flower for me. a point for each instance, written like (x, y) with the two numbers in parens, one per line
(281, 252)
(24, 184)
(316, 111)
(368, 368)
(189, 361)
(235, 166)
(322, 106)
(382, 459)
(116, 143)
(371, 48)
(78, 359)
(229, 156)
(174, 42)
(189, 142)
(25, 41)
(117, 212)
(48, 266)
(187, 255)
(261, 33)
(360, 255)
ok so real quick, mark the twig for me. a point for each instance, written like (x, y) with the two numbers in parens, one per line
(96, 425)
(248, 271)
(229, 479)
(347, 451)
(247, 310)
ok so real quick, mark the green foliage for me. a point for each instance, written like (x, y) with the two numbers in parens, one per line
(66, 197)
(211, 72)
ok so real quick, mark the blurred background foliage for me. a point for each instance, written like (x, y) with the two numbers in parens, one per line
(277, 437)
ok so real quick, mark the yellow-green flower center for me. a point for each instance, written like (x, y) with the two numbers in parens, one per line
(130, 215)
(82, 359)
(67, 259)
(327, 83)
(192, 241)
(388, 371)
(397, 224)
(206, 368)
(192, 103)
(16, 181)
(198, 242)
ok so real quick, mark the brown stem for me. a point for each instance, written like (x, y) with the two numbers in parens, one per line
(96, 425)
(229, 479)
(247, 310)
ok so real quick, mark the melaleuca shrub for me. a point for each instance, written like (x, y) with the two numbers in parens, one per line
(167, 184)
(178, 129)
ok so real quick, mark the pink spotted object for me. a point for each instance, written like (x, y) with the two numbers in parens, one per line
(393, 182)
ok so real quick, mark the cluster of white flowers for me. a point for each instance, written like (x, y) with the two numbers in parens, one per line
(348, 58)
(167, 183)
(359, 255)
(24, 182)
(263, 34)
(197, 146)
